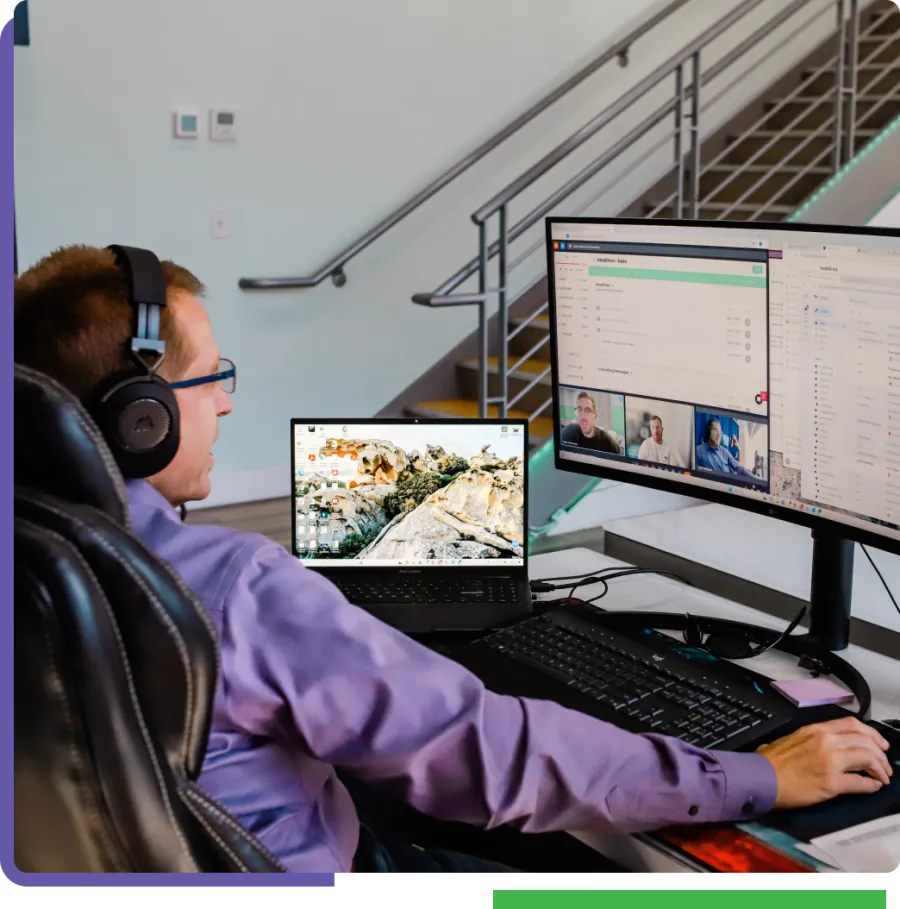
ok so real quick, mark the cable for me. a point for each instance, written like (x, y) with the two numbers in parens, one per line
(599, 577)
(880, 577)
(625, 572)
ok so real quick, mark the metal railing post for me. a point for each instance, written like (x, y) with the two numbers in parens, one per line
(839, 87)
(502, 314)
(850, 79)
(695, 136)
(482, 322)
(679, 151)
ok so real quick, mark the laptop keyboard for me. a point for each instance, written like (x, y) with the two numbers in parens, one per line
(702, 712)
(420, 590)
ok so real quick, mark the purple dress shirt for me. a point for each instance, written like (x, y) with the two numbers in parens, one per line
(310, 682)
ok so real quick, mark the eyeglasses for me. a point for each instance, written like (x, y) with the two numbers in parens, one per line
(585, 410)
(227, 376)
(734, 645)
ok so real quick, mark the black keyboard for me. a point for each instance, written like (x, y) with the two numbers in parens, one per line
(372, 591)
(647, 687)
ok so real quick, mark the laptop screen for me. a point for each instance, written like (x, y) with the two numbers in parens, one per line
(404, 493)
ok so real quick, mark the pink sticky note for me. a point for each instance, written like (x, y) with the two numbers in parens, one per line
(812, 692)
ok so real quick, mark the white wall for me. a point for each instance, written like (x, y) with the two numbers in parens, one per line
(889, 215)
(344, 111)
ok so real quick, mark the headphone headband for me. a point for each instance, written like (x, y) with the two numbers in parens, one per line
(147, 293)
(136, 409)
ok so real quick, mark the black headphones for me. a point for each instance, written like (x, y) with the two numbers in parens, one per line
(135, 409)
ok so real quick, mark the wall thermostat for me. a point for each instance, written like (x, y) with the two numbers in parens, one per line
(186, 124)
(222, 125)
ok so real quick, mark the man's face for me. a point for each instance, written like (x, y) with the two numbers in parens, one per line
(715, 434)
(656, 431)
(586, 414)
(186, 479)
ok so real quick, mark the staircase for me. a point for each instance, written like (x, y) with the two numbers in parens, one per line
(764, 172)
(761, 166)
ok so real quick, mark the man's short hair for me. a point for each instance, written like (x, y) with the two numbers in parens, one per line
(73, 319)
(587, 397)
(655, 417)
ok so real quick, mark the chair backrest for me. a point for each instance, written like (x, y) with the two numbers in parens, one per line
(115, 670)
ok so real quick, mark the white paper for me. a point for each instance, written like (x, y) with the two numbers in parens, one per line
(872, 847)
(819, 856)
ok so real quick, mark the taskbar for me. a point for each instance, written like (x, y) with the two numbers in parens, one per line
(715, 479)
(316, 562)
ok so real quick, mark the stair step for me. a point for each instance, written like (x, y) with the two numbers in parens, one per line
(527, 370)
(525, 374)
(890, 24)
(785, 146)
(888, 78)
(876, 111)
(786, 185)
(870, 50)
(715, 211)
(537, 322)
(539, 429)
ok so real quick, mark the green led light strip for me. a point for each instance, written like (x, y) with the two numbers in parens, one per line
(853, 162)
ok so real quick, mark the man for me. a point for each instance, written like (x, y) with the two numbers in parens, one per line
(309, 683)
(654, 449)
(584, 433)
(712, 455)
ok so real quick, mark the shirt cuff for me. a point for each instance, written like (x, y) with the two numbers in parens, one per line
(751, 785)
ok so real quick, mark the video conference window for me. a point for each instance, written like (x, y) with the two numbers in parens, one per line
(593, 420)
(659, 432)
(732, 444)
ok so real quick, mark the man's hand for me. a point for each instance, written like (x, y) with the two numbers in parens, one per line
(819, 762)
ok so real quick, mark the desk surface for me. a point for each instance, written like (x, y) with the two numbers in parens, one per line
(762, 550)
(654, 593)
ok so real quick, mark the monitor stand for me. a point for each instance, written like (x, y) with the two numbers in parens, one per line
(831, 590)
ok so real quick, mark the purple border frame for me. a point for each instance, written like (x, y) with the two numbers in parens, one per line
(7, 863)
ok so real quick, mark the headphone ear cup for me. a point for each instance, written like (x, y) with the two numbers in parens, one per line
(139, 418)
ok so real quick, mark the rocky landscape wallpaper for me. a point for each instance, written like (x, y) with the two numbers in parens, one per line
(371, 499)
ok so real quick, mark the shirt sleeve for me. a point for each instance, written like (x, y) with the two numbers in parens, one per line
(736, 465)
(301, 664)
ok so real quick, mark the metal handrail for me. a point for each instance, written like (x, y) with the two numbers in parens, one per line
(335, 266)
(590, 129)
(524, 224)
(707, 76)
(686, 107)
(823, 68)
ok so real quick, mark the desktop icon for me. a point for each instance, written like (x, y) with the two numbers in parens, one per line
(312, 457)
(311, 428)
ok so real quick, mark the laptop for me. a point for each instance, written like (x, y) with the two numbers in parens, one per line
(422, 522)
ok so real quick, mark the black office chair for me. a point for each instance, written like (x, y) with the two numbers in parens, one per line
(115, 670)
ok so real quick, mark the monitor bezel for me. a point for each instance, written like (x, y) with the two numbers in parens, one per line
(820, 525)
(481, 570)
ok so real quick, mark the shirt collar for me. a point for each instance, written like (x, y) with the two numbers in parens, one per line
(141, 492)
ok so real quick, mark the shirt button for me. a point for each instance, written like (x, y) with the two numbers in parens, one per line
(694, 810)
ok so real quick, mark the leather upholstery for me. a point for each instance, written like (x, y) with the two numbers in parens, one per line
(115, 670)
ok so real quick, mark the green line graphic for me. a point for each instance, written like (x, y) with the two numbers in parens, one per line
(685, 277)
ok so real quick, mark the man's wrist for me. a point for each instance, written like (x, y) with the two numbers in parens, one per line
(751, 785)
